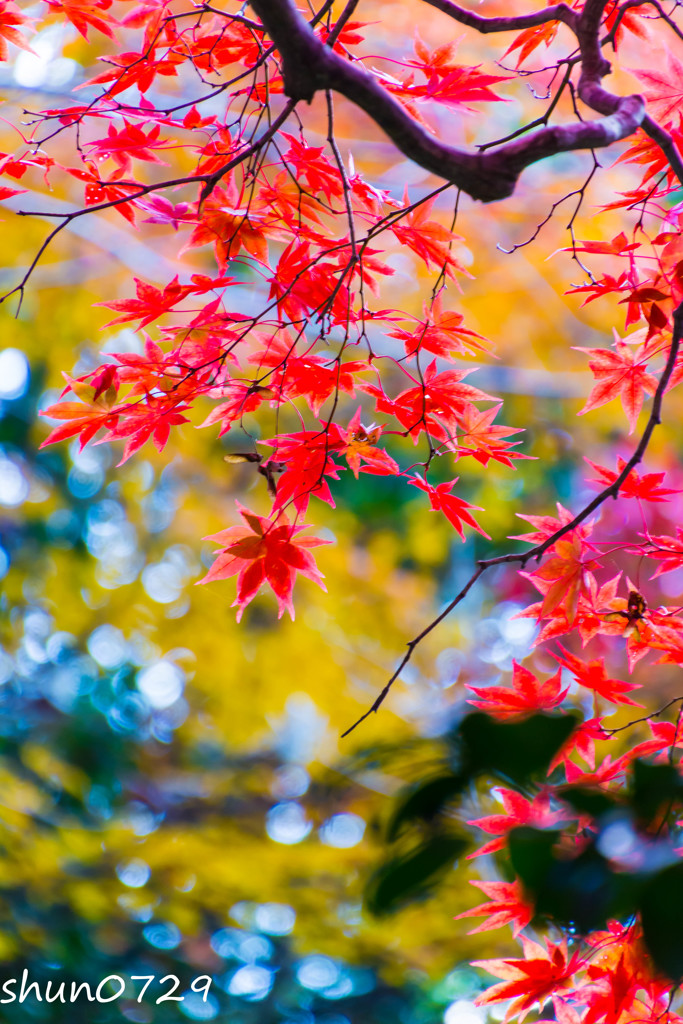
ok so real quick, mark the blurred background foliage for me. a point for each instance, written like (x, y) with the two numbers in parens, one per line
(174, 796)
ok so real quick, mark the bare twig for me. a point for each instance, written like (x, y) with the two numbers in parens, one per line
(539, 549)
(210, 181)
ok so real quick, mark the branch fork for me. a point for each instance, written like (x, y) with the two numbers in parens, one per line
(310, 66)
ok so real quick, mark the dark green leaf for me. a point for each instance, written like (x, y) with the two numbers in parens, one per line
(589, 801)
(654, 787)
(662, 915)
(531, 854)
(514, 750)
(582, 891)
(410, 876)
(424, 801)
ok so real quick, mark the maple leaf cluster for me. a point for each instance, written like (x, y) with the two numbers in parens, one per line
(280, 317)
(315, 237)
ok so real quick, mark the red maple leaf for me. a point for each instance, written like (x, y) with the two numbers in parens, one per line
(582, 742)
(288, 205)
(428, 239)
(350, 34)
(546, 526)
(369, 198)
(618, 246)
(10, 18)
(483, 439)
(619, 373)
(312, 167)
(154, 370)
(518, 810)
(605, 285)
(434, 405)
(6, 193)
(531, 38)
(150, 303)
(455, 509)
(99, 190)
(358, 444)
(218, 43)
(136, 70)
(526, 696)
(462, 86)
(507, 906)
(647, 153)
(440, 333)
(164, 211)
(646, 488)
(563, 576)
(128, 144)
(87, 13)
(665, 735)
(592, 675)
(301, 283)
(606, 772)
(663, 88)
(667, 551)
(242, 398)
(142, 421)
(627, 20)
(264, 551)
(231, 227)
(619, 978)
(307, 375)
(447, 81)
(307, 460)
(85, 418)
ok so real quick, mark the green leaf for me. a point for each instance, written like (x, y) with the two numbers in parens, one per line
(654, 787)
(661, 914)
(424, 801)
(514, 750)
(410, 876)
(589, 801)
(531, 854)
(582, 891)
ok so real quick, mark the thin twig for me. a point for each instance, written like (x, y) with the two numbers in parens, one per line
(539, 549)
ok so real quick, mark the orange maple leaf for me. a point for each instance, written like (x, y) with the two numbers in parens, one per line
(563, 576)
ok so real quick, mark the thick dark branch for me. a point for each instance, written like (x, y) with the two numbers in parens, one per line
(639, 3)
(515, 23)
(341, 22)
(309, 66)
(666, 143)
(593, 65)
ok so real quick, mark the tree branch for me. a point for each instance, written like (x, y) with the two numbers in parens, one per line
(539, 549)
(309, 66)
(516, 23)
(209, 183)
(666, 143)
